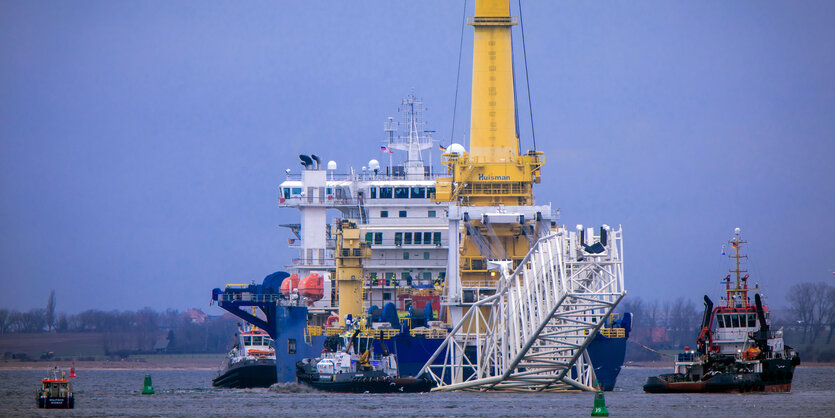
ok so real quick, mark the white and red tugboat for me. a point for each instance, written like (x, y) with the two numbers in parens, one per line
(736, 349)
(250, 363)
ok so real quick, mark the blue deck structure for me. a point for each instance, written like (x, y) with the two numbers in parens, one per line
(287, 324)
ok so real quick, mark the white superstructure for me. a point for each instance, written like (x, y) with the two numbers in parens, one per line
(407, 233)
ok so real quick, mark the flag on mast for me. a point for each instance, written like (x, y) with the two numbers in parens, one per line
(386, 149)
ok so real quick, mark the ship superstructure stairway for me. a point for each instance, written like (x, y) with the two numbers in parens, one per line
(531, 335)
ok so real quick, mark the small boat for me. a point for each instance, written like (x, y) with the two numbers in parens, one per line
(250, 363)
(55, 392)
(736, 349)
(349, 371)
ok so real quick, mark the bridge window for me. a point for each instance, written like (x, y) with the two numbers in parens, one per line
(427, 238)
(752, 320)
(720, 319)
(297, 191)
(436, 238)
(385, 193)
(418, 193)
(256, 340)
(247, 340)
(372, 193)
(368, 236)
(398, 238)
(401, 192)
(735, 320)
(286, 192)
(378, 238)
(407, 238)
(418, 238)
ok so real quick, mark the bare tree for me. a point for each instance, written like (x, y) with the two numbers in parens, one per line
(801, 303)
(829, 311)
(819, 309)
(4, 318)
(653, 313)
(50, 311)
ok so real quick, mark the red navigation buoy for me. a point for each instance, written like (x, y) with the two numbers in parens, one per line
(72, 370)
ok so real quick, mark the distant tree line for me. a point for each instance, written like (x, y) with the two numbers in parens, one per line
(130, 332)
(812, 306)
(663, 325)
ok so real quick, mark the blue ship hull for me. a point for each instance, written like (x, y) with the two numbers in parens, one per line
(607, 354)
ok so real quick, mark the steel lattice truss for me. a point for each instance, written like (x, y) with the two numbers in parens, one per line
(532, 334)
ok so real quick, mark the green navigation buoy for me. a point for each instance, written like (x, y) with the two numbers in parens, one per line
(599, 409)
(148, 388)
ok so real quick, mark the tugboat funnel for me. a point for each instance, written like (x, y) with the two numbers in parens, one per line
(148, 388)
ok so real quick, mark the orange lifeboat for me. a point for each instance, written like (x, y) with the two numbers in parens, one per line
(289, 283)
(312, 287)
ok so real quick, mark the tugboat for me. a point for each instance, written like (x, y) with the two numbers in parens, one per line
(736, 349)
(357, 369)
(55, 392)
(250, 363)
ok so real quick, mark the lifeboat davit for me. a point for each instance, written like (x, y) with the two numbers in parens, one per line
(289, 283)
(312, 287)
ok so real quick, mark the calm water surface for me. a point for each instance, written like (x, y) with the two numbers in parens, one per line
(189, 392)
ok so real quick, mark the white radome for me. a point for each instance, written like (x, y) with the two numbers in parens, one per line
(456, 148)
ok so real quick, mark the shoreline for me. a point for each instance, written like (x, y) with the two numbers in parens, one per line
(669, 365)
(170, 363)
(214, 364)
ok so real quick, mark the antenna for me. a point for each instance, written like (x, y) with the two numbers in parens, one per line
(412, 140)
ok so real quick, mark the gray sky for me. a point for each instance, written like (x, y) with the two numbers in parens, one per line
(142, 142)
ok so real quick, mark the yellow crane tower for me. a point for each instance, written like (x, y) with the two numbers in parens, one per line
(492, 173)
(350, 252)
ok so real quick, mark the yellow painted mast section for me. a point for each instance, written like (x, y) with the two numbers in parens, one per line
(493, 173)
(350, 252)
(492, 116)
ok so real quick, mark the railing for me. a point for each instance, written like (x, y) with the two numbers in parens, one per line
(248, 297)
(429, 333)
(393, 243)
(329, 201)
(613, 332)
(491, 20)
(367, 176)
(316, 262)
